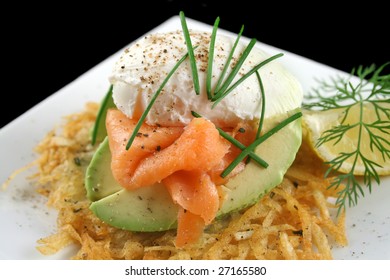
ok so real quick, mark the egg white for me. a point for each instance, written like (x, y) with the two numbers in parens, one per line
(145, 64)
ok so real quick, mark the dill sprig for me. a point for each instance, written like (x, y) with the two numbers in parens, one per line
(339, 92)
(373, 88)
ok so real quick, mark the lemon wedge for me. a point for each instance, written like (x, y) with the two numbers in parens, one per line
(356, 139)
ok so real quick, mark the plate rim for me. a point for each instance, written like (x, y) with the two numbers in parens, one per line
(172, 20)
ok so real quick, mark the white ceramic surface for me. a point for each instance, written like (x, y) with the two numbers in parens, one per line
(24, 218)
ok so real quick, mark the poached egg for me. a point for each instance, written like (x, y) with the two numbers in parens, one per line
(144, 65)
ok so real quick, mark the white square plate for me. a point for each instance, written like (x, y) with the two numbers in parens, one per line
(24, 217)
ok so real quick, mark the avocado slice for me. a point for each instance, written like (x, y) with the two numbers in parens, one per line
(147, 209)
(254, 182)
(99, 181)
(151, 208)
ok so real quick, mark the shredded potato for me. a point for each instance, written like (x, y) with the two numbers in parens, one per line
(296, 220)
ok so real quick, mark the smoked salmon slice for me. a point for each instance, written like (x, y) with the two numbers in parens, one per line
(149, 140)
(195, 192)
(189, 229)
(244, 133)
(200, 147)
(188, 161)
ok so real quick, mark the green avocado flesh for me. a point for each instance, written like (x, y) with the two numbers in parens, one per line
(146, 209)
(98, 179)
(150, 209)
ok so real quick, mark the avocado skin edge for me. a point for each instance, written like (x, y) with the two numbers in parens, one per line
(150, 209)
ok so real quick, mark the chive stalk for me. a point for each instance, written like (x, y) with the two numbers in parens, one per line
(210, 60)
(191, 55)
(155, 95)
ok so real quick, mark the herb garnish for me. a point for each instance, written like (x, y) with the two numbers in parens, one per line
(210, 61)
(218, 86)
(155, 95)
(262, 105)
(191, 55)
(237, 143)
(261, 120)
(223, 88)
(99, 130)
(258, 141)
(235, 70)
(222, 94)
(374, 89)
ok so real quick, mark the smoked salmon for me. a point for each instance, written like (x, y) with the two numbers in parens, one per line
(150, 139)
(188, 161)
(199, 147)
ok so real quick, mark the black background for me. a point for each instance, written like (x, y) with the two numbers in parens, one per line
(46, 47)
